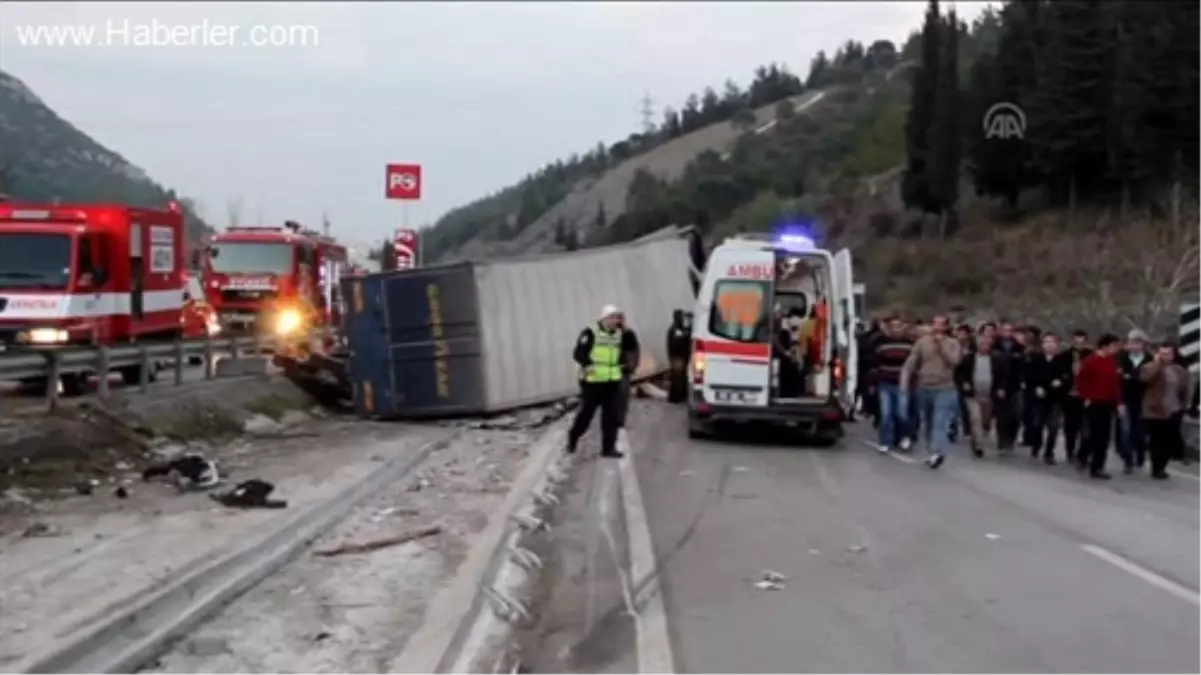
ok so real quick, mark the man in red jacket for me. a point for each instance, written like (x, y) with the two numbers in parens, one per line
(1099, 383)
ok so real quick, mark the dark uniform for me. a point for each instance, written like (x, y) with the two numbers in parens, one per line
(631, 354)
(679, 347)
(598, 352)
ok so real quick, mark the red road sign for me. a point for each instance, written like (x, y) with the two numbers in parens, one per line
(404, 243)
(402, 181)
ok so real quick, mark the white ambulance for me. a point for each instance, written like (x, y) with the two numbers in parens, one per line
(773, 338)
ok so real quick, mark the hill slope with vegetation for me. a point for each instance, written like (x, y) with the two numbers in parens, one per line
(44, 158)
(572, 196)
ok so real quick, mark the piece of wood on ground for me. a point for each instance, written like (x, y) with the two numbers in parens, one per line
(376, 544)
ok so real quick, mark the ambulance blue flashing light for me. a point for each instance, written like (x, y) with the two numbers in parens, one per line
(795, 242)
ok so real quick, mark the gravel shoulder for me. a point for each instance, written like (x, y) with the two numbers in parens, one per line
(354, 612)
(65, 564)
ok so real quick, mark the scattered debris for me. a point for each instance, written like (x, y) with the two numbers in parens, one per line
(990, 535)
(40, 529)
(121, 492)
(251, 493)
(740, 469)
(770, 580)
(814, 551)
(14, 495)
(687, 472)
(191, 471)
(86, 487)
(261, 425)
(376, 544)
(323, 635)
(856, 548)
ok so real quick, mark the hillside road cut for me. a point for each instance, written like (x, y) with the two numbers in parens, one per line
(772, 556)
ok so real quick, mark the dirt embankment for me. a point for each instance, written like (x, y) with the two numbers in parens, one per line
(82, 447)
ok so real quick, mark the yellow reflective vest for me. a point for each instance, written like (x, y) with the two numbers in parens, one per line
(605, 356)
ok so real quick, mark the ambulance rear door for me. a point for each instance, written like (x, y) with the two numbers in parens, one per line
(845, 317)
(732, 332)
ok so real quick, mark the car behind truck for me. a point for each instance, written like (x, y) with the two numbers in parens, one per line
(743, 368)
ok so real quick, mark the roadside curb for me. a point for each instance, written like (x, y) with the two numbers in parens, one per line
(132, 638)
(461, 627)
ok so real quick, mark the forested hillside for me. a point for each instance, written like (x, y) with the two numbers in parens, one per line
(44, 158)
(1101, 184)
(506, 214)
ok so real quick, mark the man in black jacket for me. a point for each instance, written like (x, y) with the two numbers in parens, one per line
(679, 349)
(987, 382)
(868, 395)
(1008, 409)
(1048, 378)
(1073, 406)
(1131, 437)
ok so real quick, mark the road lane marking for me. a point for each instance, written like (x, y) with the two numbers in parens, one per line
(650, 624)
(1182, 592)
(1185, 475)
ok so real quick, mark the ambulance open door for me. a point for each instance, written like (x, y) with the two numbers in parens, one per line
(845, 319)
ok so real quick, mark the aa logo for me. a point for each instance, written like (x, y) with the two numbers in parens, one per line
(1004, 121)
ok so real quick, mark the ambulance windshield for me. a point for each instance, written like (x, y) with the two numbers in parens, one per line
(251, 257)
(34, 260)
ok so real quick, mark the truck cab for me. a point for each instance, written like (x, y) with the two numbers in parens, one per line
(773, 337)
(89, 274)
(275, 281)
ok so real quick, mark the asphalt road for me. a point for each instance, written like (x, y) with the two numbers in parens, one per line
(981, 566)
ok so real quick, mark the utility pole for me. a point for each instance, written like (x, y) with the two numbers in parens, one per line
(648, 113)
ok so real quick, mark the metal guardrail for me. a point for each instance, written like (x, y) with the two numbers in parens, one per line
(52, 364)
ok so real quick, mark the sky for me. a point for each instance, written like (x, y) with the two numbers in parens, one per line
(293, 109)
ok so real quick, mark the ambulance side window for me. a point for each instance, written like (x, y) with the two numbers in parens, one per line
(741, 311)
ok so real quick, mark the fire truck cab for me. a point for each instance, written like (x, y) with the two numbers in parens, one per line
(274, 281)
(89, 274)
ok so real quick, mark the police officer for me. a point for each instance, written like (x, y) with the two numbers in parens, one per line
(679, 345)
(598, 352)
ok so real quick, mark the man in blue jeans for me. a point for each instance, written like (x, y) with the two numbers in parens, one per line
(888, 358)
(931, 367)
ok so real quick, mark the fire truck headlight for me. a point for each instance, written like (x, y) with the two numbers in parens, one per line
(289, 321)
(46, 336)
(214, 327)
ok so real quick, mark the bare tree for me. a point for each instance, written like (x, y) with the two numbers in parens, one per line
(233, 211)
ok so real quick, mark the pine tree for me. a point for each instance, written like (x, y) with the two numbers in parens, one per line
(946, 149)
(916, 188)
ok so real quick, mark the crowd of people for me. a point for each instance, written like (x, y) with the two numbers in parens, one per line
(1019, 386)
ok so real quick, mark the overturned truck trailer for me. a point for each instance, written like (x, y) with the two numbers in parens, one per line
(484, 337)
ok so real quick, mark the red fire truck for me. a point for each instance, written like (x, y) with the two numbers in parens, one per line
(276, 281)
(89, 274)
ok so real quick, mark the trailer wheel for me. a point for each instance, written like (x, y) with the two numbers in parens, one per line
(132, 375)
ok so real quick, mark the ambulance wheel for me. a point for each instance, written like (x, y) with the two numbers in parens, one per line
(697, 429)
(827, 436)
